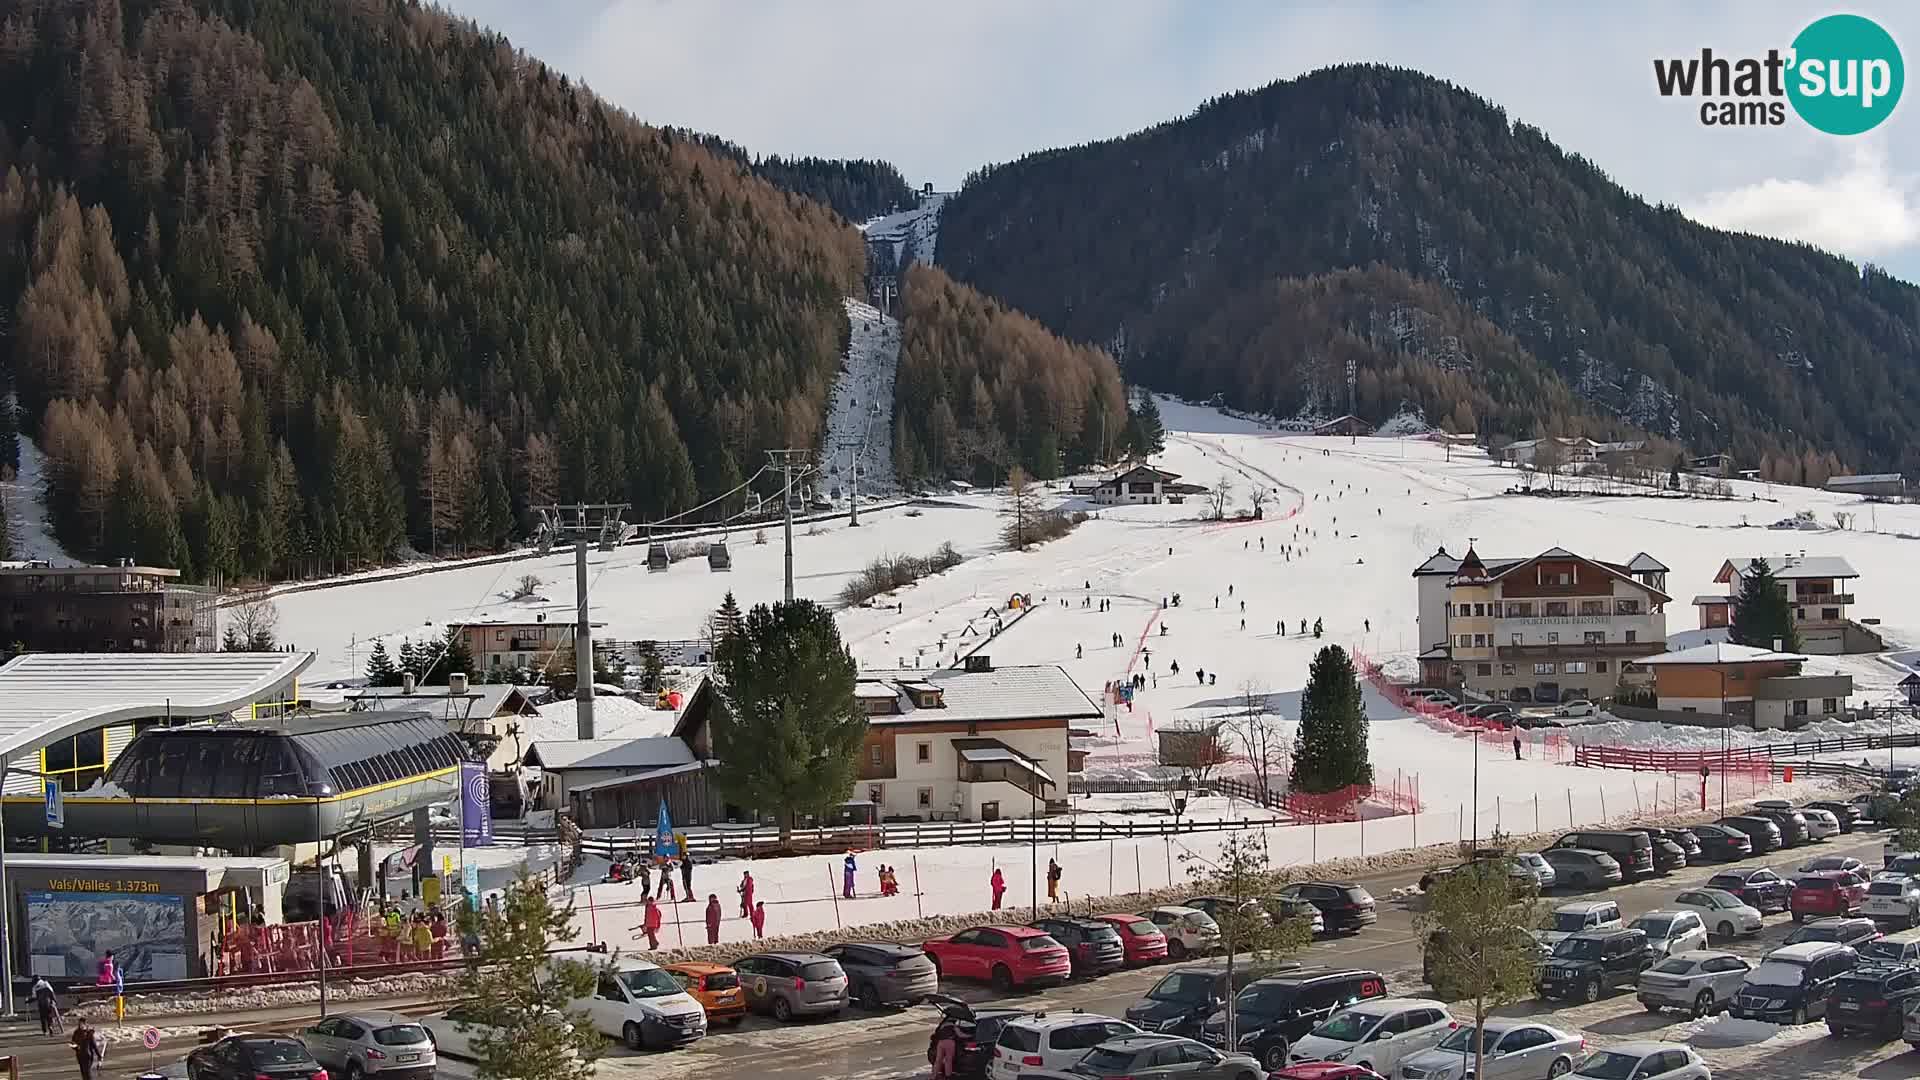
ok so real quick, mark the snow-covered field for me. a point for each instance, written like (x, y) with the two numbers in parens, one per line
(1358, 515)
(914, 232)
(26, 517)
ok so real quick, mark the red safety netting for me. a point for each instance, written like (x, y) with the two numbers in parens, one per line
(1440, 715)
(1357, 801)
(1672, 761)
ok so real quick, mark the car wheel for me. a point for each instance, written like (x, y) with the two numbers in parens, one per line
(1799, 918)
(353, 1071)
(1591, 991)
(1652, 1006)
(1834, 1030)
(1559, 1068)
(1726, 931)
(782, 1009)
(633, 1036)
(1800, 1015)
(1002, 978)
(1275, 1058)
(1176, 949)
(1703, 1004)
(870, 997)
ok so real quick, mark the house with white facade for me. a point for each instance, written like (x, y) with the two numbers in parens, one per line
(972, 744)
(1138, 483)
(1553, 627)
(1819, 591)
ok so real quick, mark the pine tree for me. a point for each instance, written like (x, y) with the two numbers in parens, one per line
(788, 734)
(231, 639)
(525, 994)
(1145, 433)
(411, 661)
(1330, 751)
(449, 656)
(652, 667)
(380, 667)
(726, 620)
(1761, 613)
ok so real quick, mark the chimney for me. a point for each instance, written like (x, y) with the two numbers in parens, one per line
(541, 617)
(457, 684)
(406, 682)
(1779, 645)
(979, 662)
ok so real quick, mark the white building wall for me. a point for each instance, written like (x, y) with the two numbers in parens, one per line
(1432, 618)
(940, 772)
(1682, 704)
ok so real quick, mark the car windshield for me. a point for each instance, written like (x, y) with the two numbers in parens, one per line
(1199, 920)
(1182, 986)
(277, 1052)
(1886, 888)
(1674, 966)
(821, 969)
(1577, 948)
(1608, 1065)
(1884, 949)
(1265, 1000)
(400, 1035)
(1142, 929)
(1101, 1061)
(1349, 1026)
(1731, 884)
(1462, 1038)
(1777, 973)
(1814, 933)
(1568, 922)
(1657, 927)
(649, 983)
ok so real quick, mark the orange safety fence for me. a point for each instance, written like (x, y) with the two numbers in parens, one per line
(1442, 715)
(1356, 801)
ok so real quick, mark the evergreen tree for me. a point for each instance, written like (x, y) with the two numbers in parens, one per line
(449, 656)
(788, 733)
(1146, 435)
(380, 667)
(1761, 612)
(526, 996)
(726, 620)
(498, 532)
(231, 640)
(652, 667)
(1330, 750)
(411, 661)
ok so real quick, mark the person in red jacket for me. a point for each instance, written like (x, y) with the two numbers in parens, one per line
(760, 919)
(713, 917)
(746, 893)
(999, 887)
(651, 922)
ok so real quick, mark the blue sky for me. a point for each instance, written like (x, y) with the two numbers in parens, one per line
(942, 88)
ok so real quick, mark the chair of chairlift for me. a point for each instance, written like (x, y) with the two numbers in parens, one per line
(657, 560)
(718, 557)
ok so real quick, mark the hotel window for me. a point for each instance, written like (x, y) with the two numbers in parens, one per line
(926, 798)
(1600, 667)
(1479, 611)
(1487, 669)
(876, 794)
(1506, 669)
(1464, 641)
(1596, 637)
(1633, 636)
(1626, 607)
(1556, 607)
(1575, 667)
(1593, 607)
(1800, 707)
(1545, 668)
(873, 754)
(1829, 706)
(923, 752)
(1516, 639)
(1829, 612)
(1799, 613)
(1553, 637)
(1479, 641)
(1520, 611)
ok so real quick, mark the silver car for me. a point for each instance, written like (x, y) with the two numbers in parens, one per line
(389, 1045)
(1516, 1050)
(1544, 877)
(1701, 981)
(791, 985)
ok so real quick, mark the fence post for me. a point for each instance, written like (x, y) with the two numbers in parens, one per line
(1603, 803)
(1139, 883)
(833, 890)
(1109, 868)
(1536, 811)
(917, 909)
(1569, 808)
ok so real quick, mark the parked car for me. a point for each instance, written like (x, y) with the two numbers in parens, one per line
(457, 1031)
(1006, 956)
(1825, 892)
(1156, 1057)
(1347, 908)
(1848, 814)
(1577, 707)
(1718, 843)
(1272, 1013)
(644, 1007)
(1577, 917)
(388, 1045)
(1854, 932)
(1521, 872)
(1435, 697)
(1906, 862)
(1544, 875)
(1325, 1070)
(1724, 913)
(1093, 947)
(790, 985)
(1183, 999)
(1900, 947)
(882, 973)
(1632, 850)
(1050, 1041)
(1140, 940)
(246, 1057)
(1821, 824)
(1756, 885)
(1188, 930)
(1216, 907)
(1294, 907)
(1376, 1034)
(1893, 898)
(1793, 824)
(1583, 868)
(1872, 998)
(1671, 930)
(1643, 1061)
(1701, 981)
(1835, 862)
(1684, 839)
(1516, 1050)
(1791, 984)
(1763, 832)
(1590, 963)
(1668, 855)
(716, 988)
(977, 1029)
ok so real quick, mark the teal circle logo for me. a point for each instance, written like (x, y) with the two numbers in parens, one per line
(1847, 75)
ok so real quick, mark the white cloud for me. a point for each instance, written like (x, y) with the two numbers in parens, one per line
(1860, 209)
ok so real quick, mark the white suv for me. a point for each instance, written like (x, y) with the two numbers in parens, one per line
(1893, 898)
(1051, 1041)
(1376, 1034)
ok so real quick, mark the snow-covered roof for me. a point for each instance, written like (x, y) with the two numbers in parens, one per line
(879, 691)
(47, 696)
(1711, 599)
(1031, 692)
(978, 754)
(655, 752)
(1644, 563)
(1865, 478)
(1792, 566)
(639, 777)
(614, 717)
(1719, 652)
(480, 702)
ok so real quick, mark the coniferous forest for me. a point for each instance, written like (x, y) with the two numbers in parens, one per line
(1376, 233)
(287, 286)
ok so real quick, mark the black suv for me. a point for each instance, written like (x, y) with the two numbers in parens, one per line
(1346, 907)
(1764, 832)
(1094, 946)
(1872, 998)
(1790, 985)
(1722, 843)
(1276, 1012)
(1792, 823)
(1181, 1001)
(1633, 850)
(1685, 838)
(1757, 886)
(1593, 962)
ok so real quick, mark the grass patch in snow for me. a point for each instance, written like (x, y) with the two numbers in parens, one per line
(890, 572)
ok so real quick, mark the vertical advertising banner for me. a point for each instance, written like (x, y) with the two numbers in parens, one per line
(476, 807)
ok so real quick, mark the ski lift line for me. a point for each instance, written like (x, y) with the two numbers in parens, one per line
(744, 485)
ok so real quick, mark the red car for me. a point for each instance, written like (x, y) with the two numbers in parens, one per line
(1325, 1070)
(1826, 892)
(1006, 956)
(1144, 941)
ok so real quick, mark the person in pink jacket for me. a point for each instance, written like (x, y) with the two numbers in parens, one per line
(760, 919)
(713, 918)
(999, 885)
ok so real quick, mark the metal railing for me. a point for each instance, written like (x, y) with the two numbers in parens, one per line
(1804, 751)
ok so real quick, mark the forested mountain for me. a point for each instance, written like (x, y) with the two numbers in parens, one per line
(1382, 221)
(982, 388)
(857, 189)
(286, 285)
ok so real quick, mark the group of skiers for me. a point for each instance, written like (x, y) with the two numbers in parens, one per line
(997, 884)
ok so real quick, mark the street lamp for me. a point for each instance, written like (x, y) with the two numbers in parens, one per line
(318, 790)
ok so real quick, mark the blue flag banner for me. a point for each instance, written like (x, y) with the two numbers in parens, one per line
(664, 844)
(476, 806)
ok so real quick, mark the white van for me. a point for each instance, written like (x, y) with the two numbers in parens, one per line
(644, 1007)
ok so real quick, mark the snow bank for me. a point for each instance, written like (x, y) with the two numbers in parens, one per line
(1725, 1030)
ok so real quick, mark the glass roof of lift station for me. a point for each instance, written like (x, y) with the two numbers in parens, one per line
(295, 756)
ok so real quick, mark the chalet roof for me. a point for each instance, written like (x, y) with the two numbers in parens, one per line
(1712, 599)
(982, 751)
(637, 778)
(656, 751)
(1471, 568)
(1644, 563)
(1438, 563)
(1134, 471)
(1031, 692)
(1719, 652)
(1616, 569)
(1790, 567)
(1912, 679)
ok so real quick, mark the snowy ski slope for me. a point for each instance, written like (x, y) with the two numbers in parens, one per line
(860, 416)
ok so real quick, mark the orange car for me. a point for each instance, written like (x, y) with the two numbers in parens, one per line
(716, 988)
